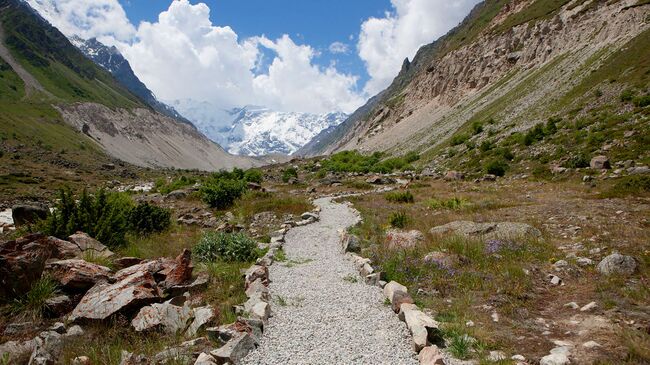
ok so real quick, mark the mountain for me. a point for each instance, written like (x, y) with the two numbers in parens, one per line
(61, 106)
(112, 61)
(259, 131)
(509, 66)
(256, 131)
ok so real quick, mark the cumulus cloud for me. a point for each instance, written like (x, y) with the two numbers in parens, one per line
(184, 56)
(339, 47)
(385, 42)
(101, 19)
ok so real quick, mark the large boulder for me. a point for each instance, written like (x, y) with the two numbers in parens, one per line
(90, 246)
(180, 271)
(454, 176)
(105, 299)
(431, 355)
(617, 264)
(170, 318)
(398, 239)
(22, 262)
(489, 230)
(24, 214)
(77, 275)
(443, 260)
(423, 328)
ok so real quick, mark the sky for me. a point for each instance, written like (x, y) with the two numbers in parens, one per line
(312, 56)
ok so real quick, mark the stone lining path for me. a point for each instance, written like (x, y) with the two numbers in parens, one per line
(320, 316)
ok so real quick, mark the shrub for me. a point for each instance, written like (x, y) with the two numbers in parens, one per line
(398, 220)
(629, 185)
(411, 157)
(640, 102)
(147, 218)
(627, 95)
(228, 247)
(221, 193)
(288, 174)
(497, 167)
(453, 203)
(179, 183)
(477, 127)
(486, 146)
(400, 197)
(578, 161)
(103, 217)
(458, 139)
(254, 176)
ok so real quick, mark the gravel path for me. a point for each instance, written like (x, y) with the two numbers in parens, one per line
(319, 317)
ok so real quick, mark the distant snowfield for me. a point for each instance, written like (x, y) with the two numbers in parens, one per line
(256, 131)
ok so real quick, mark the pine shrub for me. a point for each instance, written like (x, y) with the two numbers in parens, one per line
(228, 247)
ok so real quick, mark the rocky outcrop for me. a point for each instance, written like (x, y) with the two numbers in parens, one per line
(489, 230)
(398, 239)
(617, 264)
(28, 214)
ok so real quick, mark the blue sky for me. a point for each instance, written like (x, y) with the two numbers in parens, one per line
(317, 23)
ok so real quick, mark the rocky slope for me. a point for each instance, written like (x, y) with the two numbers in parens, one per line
(516, 62)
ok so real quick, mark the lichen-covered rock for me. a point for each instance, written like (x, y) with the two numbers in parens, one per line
(617, 264)
(489, 230)
(89, 245)
(398, 239)
(234, 350)
(166, 316)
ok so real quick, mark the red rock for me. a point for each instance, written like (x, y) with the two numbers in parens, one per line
(77, 275)
(180, 271)
(22, 262)
(257, 272)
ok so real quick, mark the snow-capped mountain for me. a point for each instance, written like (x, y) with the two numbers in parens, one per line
(112, 61)
(253, 130)
(258, 131)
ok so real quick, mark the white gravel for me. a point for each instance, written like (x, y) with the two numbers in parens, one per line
(318, 316)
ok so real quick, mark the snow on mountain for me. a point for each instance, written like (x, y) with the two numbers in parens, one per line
(256, 131)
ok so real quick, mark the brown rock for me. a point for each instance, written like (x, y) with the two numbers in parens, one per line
(58, 305)
(257, 272)
(398, 239)
(77, 275)
(124, 262)
(89, 245)
(454, 175)
(180, 271)
(399, 298)
(105, 300)
(21, 263)
(600, 163)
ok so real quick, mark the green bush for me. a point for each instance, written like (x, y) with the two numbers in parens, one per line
(639, 102)
(181, 182)
(398, 220)
(454, 203)
(353, 161)
(458, 139)
(477, 127)
(288, 174)
(228, 247)
(578, 161)
(254, 176)
(146, 218)
(411, 157)
(627, 95)
(497, 167)
(629, 185)
(103, 217)
(486, 146)
(221, 193)
(400, 197)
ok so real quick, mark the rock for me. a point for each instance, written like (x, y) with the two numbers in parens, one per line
(572, 305)
(350, 242)
(489, 177)
(104, 299)
(261, 311)
(257, 289)
(58, 305)
(77, 275)
(431, 355)
(234, 350)
(560, 264)
(639, 170)
(198, 285)
(89, 245)
(19, 352)
(617, 264)
(24, 214)
(179, 272)
(373, 279)
(442, 260)
(74, 331)
(309, 216)
(392, 287)
(398, 239)
(256, 272)
(399, 298)
(18, 328)
(554, 359)
(21, 263)
(205, 359)
(600, 163)
(591, 345)
(58, 327)
(378, 180)
(583, 261)
(81, 360)
(518, 358)
(366, 270)
(202, 316)
(171, 318)
(495, 356)
(132, 359)
(124, 262)
(489, 230)
(176, 195)
(555, 280)
(423, 328)
(589, 307)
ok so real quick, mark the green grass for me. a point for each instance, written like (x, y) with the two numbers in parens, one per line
(400, 197)
(536, 11)
(454, 203)
(634, 185)
(226, 289)
(398, 220)
(32, 304)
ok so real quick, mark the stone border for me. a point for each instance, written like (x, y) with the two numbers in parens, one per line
(243, 336)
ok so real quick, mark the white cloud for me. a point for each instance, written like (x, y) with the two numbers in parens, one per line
(102, 19)
(339, 47)
(385, 42)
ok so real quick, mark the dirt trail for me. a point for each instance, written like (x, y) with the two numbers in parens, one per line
(322, 312)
